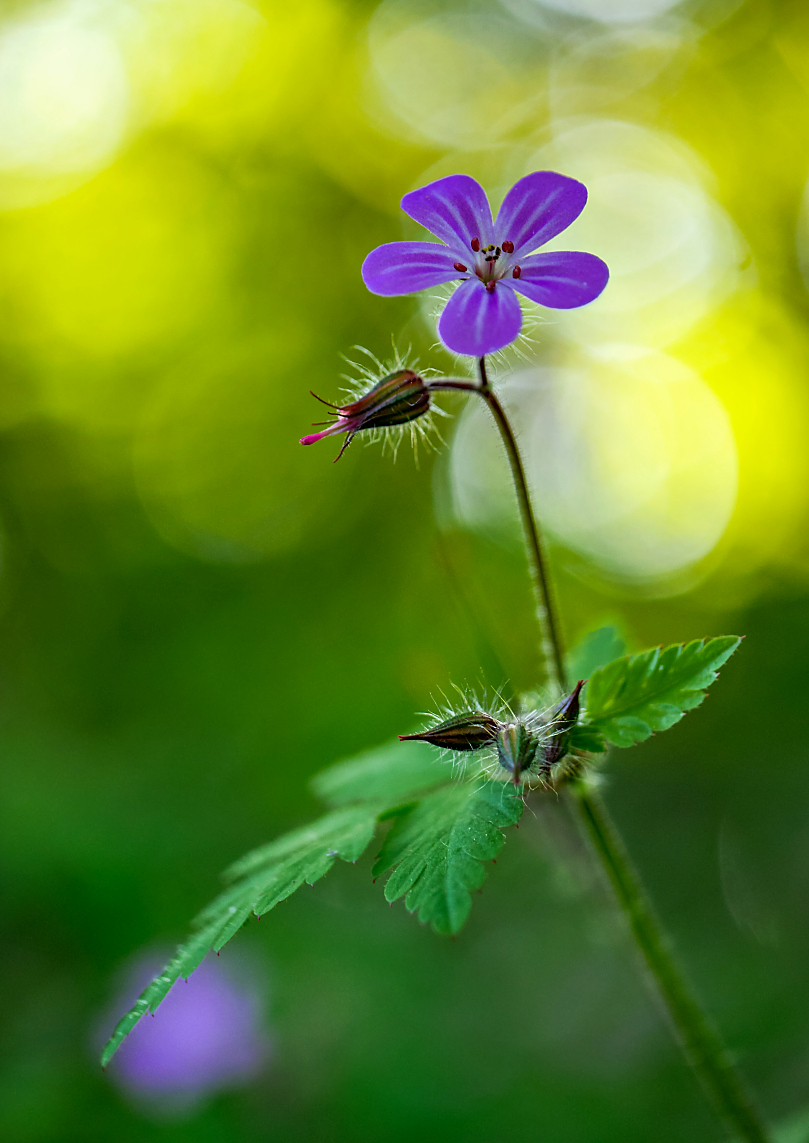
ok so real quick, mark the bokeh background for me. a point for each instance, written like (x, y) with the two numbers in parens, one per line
(196, 614)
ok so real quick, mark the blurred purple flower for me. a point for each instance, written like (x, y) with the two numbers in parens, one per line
(492, 260)
(205, 1037)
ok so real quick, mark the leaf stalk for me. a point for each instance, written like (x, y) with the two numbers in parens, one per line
(699, 1038)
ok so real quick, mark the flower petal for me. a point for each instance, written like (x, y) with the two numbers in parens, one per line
(404, 267)
(537, 208)
(455, 209)
(477, 322)
(562, 279)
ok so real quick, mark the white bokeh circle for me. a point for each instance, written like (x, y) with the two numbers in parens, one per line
(633, 463)
(64, 94)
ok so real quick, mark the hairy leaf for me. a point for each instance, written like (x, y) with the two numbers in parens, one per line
(392, 773)
(438, 846)
(260, 880)
(595, 650)
(631, 698)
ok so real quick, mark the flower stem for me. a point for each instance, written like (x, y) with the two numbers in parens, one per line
(701, 1042)
(550, 632)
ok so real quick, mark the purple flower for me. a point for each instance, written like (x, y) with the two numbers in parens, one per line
(206, 1036)
(492, 260)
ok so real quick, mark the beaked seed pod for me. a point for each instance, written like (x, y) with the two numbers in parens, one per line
(466, 732)
(517, 749)
(395, 400)
(563, 719)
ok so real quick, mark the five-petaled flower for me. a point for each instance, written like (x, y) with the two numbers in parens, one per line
(492, 259)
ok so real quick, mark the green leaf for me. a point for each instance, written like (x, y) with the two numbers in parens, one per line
(437, 848)
(392, 773)
(260, 880)
(631, 698)
(584, 737)
(595, 650)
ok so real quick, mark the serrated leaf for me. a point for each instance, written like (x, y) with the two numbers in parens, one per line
(632, 697)
(260, 880)
(391, 773)
(436, 849)
(595, 650)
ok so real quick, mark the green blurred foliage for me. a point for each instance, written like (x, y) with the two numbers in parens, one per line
(197, 614)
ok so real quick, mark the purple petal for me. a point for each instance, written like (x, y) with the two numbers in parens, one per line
(455, 209)
(405, 267)
(537, 208)
(562, 280)
(477, 322)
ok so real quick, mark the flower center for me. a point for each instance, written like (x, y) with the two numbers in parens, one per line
(493, 262)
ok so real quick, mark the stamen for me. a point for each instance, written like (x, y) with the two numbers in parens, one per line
(516, 272)
(459, 266)
(323, 402)
(475, 244)
(508, 247)
(490, 286)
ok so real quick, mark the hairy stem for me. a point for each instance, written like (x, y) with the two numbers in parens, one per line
(701, 1042)
(550, 631)
(546, 612)
(699, 1039)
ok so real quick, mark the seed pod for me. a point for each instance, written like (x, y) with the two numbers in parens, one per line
(395, 400)
(564, 718)
(466, 732)
(517, 749)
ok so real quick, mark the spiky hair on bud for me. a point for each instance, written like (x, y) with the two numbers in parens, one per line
(555, 720)
(464, 727)
(533, 746)
(384, 400)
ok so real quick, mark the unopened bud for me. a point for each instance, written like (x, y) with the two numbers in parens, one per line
(517, 749)
(469, 731)
(396, 399)
(563, 719)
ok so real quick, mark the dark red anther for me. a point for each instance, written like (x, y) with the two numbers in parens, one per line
(508, 247)
(516, 272)
(490, 286)
(459, 266)
(475, 244)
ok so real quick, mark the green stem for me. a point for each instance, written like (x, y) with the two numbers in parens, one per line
(698, 1037)
(550, 632)
(701, 1042)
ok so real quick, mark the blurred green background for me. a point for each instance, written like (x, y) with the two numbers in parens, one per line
(197, 614)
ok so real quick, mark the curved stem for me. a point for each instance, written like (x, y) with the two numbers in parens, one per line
(550, 632)
(699, 1039)
(701, 1042)
(546, 612)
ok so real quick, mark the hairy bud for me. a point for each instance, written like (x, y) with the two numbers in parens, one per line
(563, 718)
(517, 749)
(398, 398)
(470, 731)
